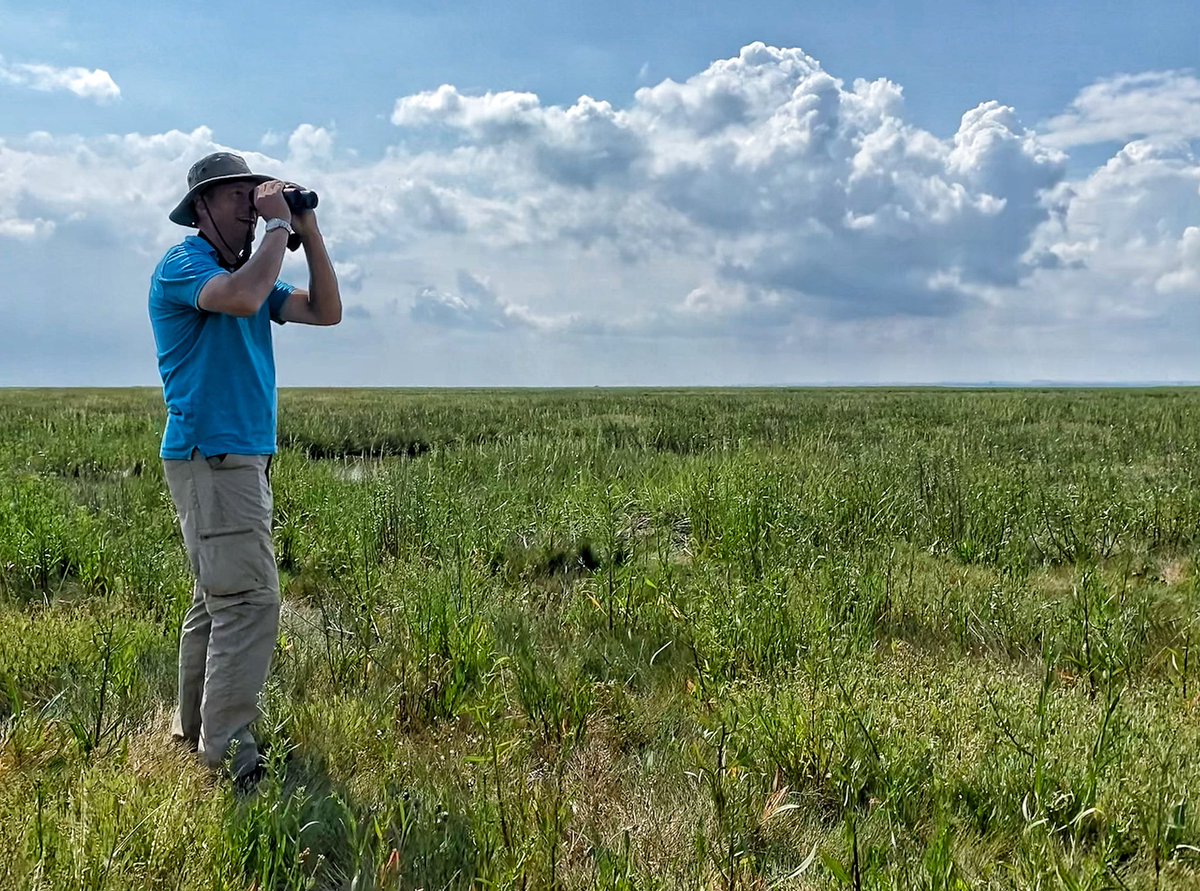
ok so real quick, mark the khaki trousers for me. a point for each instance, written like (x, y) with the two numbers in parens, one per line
(224, 505)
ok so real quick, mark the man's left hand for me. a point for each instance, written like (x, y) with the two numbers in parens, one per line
(304, 223)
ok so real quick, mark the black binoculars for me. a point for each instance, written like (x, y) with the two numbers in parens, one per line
(300, 199)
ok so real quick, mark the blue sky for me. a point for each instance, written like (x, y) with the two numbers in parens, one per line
(752, 193)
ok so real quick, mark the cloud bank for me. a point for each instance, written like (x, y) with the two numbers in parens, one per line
(808, 196)
(760, 221)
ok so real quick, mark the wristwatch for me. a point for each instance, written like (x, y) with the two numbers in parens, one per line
(279, 223)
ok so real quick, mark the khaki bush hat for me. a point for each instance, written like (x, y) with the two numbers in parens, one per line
(219, 167)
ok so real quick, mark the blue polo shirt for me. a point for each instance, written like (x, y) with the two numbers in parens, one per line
(218, 371)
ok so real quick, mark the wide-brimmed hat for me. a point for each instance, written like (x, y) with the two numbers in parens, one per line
(219, 167)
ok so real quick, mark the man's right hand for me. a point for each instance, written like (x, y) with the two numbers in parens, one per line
(270, 203)
(242, 293)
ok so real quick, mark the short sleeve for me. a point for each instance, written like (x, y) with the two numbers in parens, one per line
(278, 297)
(184, 274)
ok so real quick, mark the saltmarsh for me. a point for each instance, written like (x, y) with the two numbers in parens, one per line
(626, 639)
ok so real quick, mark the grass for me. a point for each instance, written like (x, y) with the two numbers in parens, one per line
(626, 639)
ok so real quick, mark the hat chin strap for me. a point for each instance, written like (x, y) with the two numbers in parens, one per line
(239, 257)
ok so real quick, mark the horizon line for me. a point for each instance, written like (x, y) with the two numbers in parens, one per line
(1036, 383)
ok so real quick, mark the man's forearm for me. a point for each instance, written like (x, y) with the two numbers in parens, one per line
(256, 279)
(324, 296)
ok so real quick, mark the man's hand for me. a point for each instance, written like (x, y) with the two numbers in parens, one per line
(270, 203)
(321, 304)
(304, 223)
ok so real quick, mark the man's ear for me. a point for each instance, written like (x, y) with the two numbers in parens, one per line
(200, 209)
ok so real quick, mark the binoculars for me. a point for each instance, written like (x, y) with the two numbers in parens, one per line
(300, 199)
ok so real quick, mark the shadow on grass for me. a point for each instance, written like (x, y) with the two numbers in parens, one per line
(301, 829)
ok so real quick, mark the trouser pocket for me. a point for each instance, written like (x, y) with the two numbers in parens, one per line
(236, 561)
(234, 549)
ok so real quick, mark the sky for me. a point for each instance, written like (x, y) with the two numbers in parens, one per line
(626, 194)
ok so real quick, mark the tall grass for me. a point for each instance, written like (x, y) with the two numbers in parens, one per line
(626, 639)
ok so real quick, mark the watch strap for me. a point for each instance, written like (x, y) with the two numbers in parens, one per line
(279, 223)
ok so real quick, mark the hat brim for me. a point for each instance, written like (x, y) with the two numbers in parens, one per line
(185, 213)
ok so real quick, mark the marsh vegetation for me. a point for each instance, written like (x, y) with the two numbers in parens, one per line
(623, 639)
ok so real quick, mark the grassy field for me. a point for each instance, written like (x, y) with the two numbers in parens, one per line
(618, 639)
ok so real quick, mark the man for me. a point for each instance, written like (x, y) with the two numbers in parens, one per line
(211, 306)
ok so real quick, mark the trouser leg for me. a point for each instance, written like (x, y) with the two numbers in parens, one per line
(240, 647)
(229, 633)
(193, 656)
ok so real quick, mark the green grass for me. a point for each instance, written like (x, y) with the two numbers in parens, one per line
(626, 639)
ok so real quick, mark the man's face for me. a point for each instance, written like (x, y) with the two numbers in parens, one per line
(231, 208)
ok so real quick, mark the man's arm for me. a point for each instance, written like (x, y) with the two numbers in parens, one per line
(242, 293)
(321, 304)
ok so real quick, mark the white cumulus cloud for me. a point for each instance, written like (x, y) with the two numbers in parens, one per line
(1153, 104)
(25, 230)
(310, 145)
(786, 179)
(474, 306)
(87, 83)
(493, 115)
(1185, 277)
